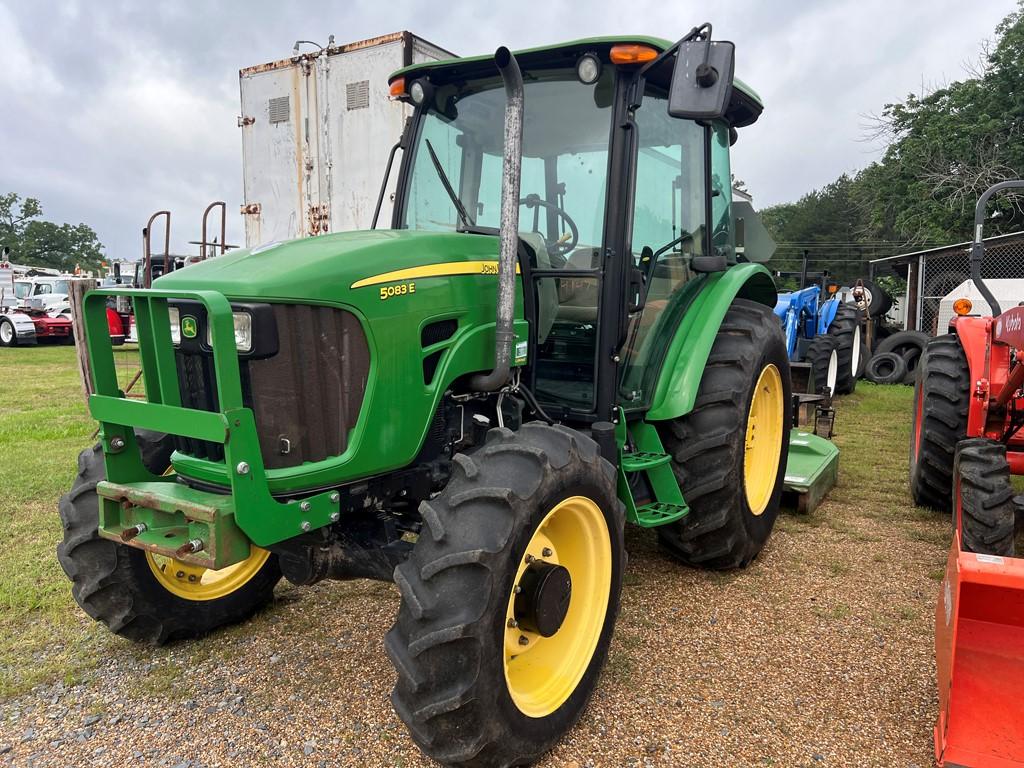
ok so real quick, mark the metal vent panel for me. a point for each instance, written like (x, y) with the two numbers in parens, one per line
(357, 94)
(306, 398)
(280, 109)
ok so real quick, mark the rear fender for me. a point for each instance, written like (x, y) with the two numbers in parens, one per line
(826, 314)
(688, 352)
(24, 328)
(990, 366)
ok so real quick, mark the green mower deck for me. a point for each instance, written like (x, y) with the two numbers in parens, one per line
(812, 469)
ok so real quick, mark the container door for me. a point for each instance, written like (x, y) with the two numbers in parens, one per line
(279, 151)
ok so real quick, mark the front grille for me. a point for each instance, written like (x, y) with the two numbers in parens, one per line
(198, 391)
(305, 399)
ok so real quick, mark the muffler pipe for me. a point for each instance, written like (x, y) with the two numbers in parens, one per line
(509, 233)
(978, 246)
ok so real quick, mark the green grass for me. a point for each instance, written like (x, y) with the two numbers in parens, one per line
(43, 426)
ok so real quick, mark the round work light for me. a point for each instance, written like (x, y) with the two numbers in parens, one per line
(588, 68)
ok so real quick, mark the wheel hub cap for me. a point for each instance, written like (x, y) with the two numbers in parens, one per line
(543, 602)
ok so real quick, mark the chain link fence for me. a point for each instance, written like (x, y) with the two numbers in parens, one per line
(933, 274)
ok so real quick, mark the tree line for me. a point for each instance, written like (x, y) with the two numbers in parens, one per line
(36, 242)
(943, 148)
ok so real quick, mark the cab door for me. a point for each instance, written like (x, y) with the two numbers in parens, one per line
(678, 186)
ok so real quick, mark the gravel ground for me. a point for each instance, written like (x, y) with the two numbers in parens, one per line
(818, 654)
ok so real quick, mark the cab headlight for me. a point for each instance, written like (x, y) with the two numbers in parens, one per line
(243, 331)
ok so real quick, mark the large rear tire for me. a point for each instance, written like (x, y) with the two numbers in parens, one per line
(983, 508)
(732, 482)
(878, 301)
(137, 595)
(479, 681)
(845, 329)
(942, 398)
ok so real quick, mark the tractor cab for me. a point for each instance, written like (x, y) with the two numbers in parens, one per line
(621, 204)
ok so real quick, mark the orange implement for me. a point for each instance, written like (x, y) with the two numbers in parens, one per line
(979, 654)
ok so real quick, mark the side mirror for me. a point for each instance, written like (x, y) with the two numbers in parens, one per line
(702, 80)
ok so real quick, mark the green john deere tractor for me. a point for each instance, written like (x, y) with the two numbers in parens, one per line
(555, 337)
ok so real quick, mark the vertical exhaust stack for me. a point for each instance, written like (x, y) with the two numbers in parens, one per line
(510, 175)
(978, 246)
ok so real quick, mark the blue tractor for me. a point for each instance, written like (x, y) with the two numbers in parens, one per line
(823, 337)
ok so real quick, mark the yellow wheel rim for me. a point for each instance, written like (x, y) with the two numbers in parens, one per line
(542, 672)
(193, 582)
(763, 447)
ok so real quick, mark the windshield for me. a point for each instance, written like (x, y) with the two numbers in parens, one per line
(566, 127)
(22, 289)
(61, 286)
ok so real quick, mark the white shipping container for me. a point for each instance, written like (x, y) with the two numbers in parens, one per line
(316, 133)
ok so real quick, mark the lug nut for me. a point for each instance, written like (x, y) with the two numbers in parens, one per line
(530, 558)
(512, 623)
(335, 497)
(305, 506)
(523, 640)
(116, 443)
(335, 517)
(546, 552)
(306, 526)
(242, 468)
(518, 589)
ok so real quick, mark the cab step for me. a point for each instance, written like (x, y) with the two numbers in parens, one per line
(639, 461)
(659, 513)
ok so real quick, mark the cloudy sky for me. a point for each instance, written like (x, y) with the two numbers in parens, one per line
(112, 110)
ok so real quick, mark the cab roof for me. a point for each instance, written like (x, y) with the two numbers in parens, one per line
(744, 109)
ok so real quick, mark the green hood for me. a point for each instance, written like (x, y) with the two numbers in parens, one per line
(325, 268)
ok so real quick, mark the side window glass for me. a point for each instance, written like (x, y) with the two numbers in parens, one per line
(721, 190)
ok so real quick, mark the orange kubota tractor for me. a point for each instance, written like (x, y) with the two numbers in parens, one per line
(965, 445)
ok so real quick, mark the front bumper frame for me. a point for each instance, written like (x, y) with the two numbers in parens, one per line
(249, 512)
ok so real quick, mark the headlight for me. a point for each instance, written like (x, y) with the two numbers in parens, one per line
(175, 317)
(243, 331)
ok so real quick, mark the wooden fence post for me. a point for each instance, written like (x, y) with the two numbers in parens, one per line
(77, 290)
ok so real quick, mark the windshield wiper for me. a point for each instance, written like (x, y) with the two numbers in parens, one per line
(466, 221)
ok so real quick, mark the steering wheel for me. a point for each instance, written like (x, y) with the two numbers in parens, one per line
(564, 245)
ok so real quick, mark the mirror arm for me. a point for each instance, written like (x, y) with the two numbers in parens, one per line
(703, 32)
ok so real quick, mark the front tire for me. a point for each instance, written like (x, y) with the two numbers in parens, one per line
(8, 336)
(733, 489)
(132, 593)
(845, 329)
(823, 355)
(942, 398)
(983, 508)
(470, 690)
